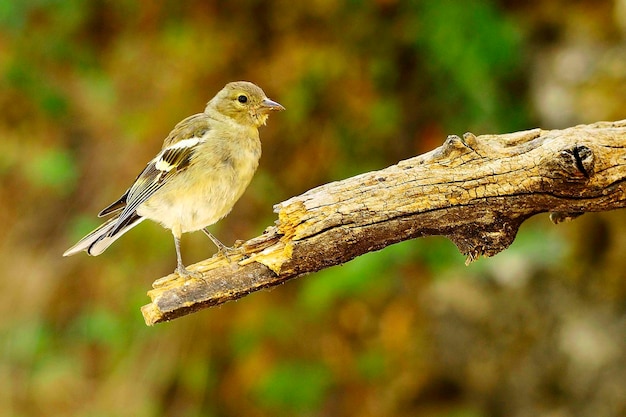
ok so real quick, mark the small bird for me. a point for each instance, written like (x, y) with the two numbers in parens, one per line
(204, 166)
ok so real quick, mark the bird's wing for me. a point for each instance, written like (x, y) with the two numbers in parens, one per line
(101, 238)
(195, 126)
(178, 150)
(168, 163)
(115, 207)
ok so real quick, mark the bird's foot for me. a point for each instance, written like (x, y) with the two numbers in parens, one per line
(187, 274)
(222, 249)
(229, 252)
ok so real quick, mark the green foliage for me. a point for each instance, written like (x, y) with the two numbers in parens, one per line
(372, 364)
(27, 342)
(276, 324)
(294, 387)
(30, 83)
(438, 253)
(371, 274)
(471, 51)
(14, 14)
(101, 327)
(53, 169)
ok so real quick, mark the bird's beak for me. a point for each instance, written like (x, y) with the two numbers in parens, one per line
(271, 105)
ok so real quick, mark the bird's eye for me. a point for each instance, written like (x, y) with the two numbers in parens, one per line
(242, 99)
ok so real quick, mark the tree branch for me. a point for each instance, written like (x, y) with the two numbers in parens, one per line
(474, 190)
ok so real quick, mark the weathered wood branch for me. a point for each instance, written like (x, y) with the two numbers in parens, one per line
(476, 190)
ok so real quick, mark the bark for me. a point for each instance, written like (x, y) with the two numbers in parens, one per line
(476, 190)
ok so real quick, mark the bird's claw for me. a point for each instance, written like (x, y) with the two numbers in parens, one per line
(228, 252)
(187, 274)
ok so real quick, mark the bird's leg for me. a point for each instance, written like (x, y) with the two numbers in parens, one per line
(221, 248)
(180, 268)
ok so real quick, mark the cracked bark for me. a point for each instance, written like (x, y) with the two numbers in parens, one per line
(476, 190)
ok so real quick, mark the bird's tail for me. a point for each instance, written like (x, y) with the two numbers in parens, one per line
(101, 238)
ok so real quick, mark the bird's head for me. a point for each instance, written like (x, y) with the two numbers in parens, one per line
(245, 102)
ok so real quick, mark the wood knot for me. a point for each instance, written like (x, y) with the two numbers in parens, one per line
(577, 161)
(469, 139)
(574, 164)
(487, 239)
(454, 146)
(453, 142)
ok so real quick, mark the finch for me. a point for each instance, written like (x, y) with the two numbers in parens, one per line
(204, 166)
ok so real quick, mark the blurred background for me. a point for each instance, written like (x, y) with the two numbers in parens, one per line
(88, 92)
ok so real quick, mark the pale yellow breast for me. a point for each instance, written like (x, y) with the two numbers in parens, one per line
(207, 191)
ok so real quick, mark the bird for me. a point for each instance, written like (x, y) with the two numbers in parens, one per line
(203, 168)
